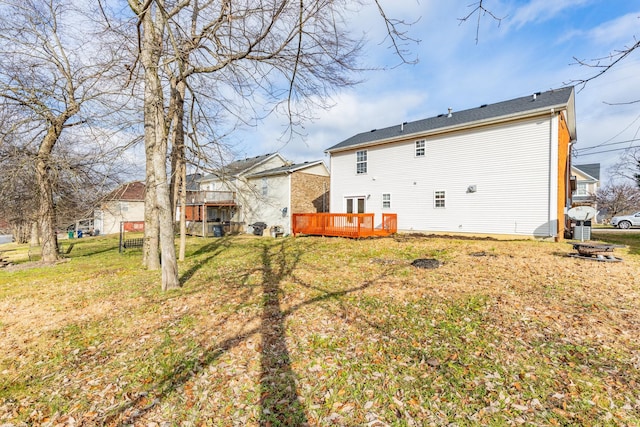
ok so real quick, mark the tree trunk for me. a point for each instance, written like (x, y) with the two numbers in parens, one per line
(46, 209)
(150, 58)
(157, 202)
(170, 278)
(163, 200)
(150, 250)
(183, 213)
(178, 158)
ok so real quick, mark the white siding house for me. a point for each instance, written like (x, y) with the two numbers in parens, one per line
(587, 181)
(293, 188)
(266, 189)
(126, 203)
(496, 169)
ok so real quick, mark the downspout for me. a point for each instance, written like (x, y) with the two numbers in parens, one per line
(324, 196)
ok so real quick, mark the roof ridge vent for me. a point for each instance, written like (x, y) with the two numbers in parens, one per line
(483, 105)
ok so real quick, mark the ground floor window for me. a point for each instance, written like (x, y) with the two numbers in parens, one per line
(386, 201)
(439, 199)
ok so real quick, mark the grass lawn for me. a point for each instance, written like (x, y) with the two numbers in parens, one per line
(323, 331)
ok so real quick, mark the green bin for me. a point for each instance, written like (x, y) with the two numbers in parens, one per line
(70, 234)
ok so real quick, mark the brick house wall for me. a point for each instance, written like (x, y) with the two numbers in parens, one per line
(309, 193)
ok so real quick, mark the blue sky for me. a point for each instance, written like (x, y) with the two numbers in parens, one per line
(532, 50)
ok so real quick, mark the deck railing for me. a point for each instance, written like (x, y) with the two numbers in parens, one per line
(343, 225)
(203, 197)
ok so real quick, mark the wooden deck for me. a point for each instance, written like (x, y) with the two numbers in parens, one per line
(343, 225)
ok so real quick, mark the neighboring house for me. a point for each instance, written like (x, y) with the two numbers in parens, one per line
(500, 168)
(126, 203)
(264, 188)
(587, 179)
(587, 183)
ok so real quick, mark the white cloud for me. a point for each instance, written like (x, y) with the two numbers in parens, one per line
(623, 29)
(353, 113)
(537, 11)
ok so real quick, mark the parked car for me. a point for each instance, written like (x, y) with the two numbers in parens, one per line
(626, 221)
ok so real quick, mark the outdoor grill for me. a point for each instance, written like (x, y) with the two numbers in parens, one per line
(258, 228)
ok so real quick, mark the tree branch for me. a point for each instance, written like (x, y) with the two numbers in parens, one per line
(481, 11)
(613, 58)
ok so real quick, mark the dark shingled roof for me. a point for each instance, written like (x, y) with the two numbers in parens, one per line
(591, 169)
(542, 101)
(285, 169)
(237, 167)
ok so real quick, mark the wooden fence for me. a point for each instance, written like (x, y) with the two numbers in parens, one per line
(343, 225)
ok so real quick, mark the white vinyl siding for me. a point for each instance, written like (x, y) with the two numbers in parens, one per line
(508, 163)
(269, 208)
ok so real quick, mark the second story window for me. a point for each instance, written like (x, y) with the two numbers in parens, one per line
(361, 162)
(265, 187)
(420, 148)
(582, 189)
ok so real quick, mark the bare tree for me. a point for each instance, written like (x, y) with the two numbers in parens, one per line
(18, 198)
(628, 166)
(288, 56)
(54, 75)
(618, 197)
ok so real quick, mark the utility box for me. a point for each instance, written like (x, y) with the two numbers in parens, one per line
(582, 231)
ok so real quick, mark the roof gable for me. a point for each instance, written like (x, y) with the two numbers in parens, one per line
(132, 191)
(241, 167)
(591, 170)
(539, 102)
(287, 169)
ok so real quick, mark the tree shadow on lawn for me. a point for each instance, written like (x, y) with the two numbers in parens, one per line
(72, 250)
(278, 391)
(213, 249)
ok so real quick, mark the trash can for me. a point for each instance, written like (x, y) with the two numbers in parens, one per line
(218, 231)
(79, 234)
(70, 234)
